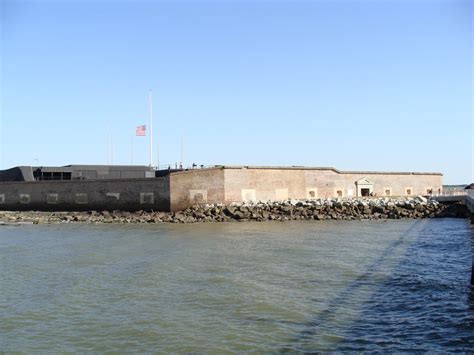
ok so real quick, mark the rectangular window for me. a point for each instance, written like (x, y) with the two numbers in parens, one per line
(248, 195)
(52, 198)
(147, 198)
(46, 176)
(113, 196)
(281, 194)
(197, 196)
(81, 198)
(311, 193)
(24, 198)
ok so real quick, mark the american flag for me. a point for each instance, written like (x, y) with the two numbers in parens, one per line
(141, 131)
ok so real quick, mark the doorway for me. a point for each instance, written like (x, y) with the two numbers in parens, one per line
(365, 187)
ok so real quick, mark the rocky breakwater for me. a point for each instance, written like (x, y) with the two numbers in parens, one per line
(327, 209)
(321, 209)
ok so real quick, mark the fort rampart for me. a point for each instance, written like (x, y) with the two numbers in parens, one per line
(113, 194)
(238, 184)
(177, 190)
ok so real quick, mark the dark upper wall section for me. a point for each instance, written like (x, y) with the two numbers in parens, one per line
(76, 172)
(86, 195)
(18, 173)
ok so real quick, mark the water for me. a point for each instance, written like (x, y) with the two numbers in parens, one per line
(295, 286)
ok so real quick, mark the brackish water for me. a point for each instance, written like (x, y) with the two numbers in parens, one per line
(296, 286)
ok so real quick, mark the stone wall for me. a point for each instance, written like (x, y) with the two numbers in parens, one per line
(127, 194)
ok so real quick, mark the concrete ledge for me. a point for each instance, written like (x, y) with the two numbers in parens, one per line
(460, 198)
(294, 167)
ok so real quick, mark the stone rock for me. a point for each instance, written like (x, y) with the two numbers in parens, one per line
(320, 209)
(421, 199)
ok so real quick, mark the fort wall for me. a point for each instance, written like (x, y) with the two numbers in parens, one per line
(192, 187)
(281, 183)
(242, 184)
(125, 194)
(396, 184)
(177, 190)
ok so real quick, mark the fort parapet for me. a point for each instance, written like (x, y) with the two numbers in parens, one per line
(112, 187)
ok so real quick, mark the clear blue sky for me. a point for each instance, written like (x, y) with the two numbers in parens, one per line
(358, 85)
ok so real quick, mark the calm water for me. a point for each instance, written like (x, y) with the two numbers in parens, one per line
(295, 286)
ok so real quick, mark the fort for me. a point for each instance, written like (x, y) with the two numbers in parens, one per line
(132, 188)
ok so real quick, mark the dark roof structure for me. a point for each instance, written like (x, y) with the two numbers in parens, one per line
(76, 172)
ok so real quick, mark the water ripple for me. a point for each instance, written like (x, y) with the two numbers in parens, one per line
(266, 287)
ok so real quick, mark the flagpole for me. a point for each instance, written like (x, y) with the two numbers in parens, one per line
(151, 129)
(158, 156)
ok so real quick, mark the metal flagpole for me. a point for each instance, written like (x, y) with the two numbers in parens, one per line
(158, 156)
(110, 155)
(151, 130)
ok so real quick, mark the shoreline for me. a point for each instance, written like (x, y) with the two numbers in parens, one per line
(318, 209)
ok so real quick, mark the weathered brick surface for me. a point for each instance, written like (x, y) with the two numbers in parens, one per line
(184, 183)
(236, 184)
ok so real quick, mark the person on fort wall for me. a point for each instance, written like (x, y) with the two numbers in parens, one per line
(37, 173)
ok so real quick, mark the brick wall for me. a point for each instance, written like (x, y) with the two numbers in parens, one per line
(275, 184)
(264, 184)
(196, 186)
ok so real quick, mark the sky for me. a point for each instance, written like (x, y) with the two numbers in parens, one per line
(356, 85)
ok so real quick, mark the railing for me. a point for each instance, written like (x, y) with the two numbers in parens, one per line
(450, 193)
(184, 167)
